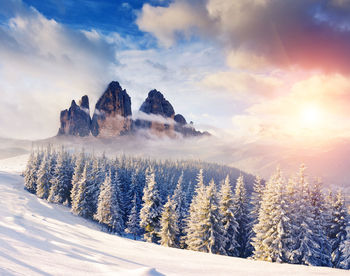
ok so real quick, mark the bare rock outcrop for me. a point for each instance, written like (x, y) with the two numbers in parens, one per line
(112, 116)
(76, 120)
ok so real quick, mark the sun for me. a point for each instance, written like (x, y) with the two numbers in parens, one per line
(311, 116)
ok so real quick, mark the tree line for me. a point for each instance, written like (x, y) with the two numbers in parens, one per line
(194, 205)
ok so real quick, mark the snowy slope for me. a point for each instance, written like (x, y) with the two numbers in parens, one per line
(38, 238)
(15, 165)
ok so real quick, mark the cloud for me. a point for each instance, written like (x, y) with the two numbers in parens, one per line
(43, 65)
(244, 86)
(309, 34)
(167, 23)
(287, 116)
(176, 72)
(246, 60)
(153, 118)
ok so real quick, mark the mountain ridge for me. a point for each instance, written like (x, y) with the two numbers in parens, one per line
(112, 116)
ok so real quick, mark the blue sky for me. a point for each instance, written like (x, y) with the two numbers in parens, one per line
(248, 68)
(107, 16)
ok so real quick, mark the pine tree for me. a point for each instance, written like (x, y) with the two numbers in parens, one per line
(215, 232)
(61, 181)
(205, 231)
(345, 250)
(151, 209)
(319, 218)
(240, 208)
(81, 205)
(179, 201)
(133, 223)
(30, 174)
(52, 161)
(271, 237)
(168, 225)
(228, 219)
(44, 177)
(96, 178)
(255, 201)
(193, 238)
(337, 224)
(307, 235)
(125, 188)
(78, 171)
(108, 208)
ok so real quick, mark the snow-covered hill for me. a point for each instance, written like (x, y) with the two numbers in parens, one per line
(38, 238)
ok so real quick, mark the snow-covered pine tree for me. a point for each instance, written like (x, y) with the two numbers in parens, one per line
(306, 234)
(125, 187)
(81, 204)
(30, 177)
(228, 219)
(270, 241)
(193, 231)
(151, 209)
(108, 207)
(169, 230)
(78, 171)
(97, 176)
(241, 214)
(180, 209)
(214, 236)
(52, 160)
(133, 223)
(292, 198)
(319, 217)
(205, 231)
(44, 177)
(189, 194)
(345, 250)
(61, 181)
(139, 185)
(119, 222)
(255, 202)
(336, 225)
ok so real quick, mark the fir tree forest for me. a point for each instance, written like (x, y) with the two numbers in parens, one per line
(199, 206)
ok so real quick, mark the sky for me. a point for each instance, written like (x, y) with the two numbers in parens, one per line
(257, 69)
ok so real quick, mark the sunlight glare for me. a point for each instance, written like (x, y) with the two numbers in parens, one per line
(311, 116)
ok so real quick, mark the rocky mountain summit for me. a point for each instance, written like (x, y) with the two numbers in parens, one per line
(156, 104)
(113, 116)
(76, 120)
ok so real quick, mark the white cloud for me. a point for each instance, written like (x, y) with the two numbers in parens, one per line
(43, 66)
(176, 72)
(243, 86)
(247, 61)
(152, 118)
(167, 23)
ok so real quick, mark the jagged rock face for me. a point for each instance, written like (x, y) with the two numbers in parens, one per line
(84, 102)
(156, 104)
(76, 120)
(185, 129)
(112, 116)
(112, 113)
(180, 119)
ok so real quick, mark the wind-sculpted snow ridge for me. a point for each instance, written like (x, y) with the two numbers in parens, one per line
(39, 238)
